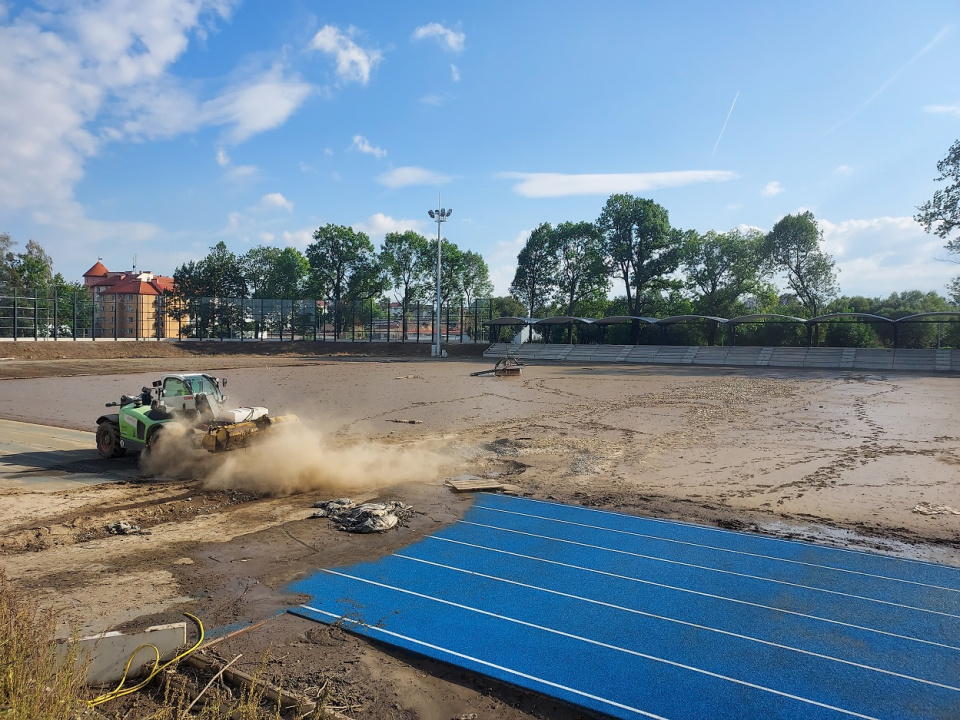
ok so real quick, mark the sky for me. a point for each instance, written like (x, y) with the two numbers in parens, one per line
(154, 130)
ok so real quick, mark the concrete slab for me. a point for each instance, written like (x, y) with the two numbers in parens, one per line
(49, 459)
(108, 653)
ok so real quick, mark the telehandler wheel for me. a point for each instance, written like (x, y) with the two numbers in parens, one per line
(108, 441)
(153, 440)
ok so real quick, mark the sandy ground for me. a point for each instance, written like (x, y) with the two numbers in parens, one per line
(840, 456)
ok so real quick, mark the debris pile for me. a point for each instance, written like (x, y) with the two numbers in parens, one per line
(365, 518)
(925, 508)
(124, 528)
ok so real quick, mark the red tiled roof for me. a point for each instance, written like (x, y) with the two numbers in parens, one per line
(98, 270)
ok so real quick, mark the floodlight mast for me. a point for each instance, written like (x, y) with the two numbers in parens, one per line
(438, 216)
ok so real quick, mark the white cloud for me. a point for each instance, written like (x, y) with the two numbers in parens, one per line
(239, 173)
(502, 262)
(298, 238)
(363, 145)
(451, 40)
(434, 99)
(276, 200)
(562, 185)
(354, 63)
(378, 225)
(454, 73)
(405, 176)
(844, 170)
(76, 76)
(772, 188)
(328, 152)
(944, 109)
(267, 237)
(883, 255)
(262, 104)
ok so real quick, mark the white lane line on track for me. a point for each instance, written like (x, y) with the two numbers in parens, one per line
(719, 549)
(655, 616)
(710, 569)
(607, 646)
(696, 592)
(771, 538)
(494, 666)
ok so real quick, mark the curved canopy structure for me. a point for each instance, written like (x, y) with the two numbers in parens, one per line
(617, 319)
(759, 317)
(509, 321)
(685, 318)
(919, 316)
(865, 317)
(562, 320)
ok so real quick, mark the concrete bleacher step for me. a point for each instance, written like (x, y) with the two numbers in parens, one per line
(711, 356)
(823, 357)
(873, 359)
(915, 360)
(932, 360)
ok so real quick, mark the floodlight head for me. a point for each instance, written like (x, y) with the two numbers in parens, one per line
(449, 212)
(430, 212)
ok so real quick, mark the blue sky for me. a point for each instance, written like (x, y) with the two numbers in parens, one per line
(158, 129)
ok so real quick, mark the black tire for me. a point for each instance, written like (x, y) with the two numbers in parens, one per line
(108, 441)
(152, 439)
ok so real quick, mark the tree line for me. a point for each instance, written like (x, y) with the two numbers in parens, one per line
(566, 269)
(343, 268)
(569, 269)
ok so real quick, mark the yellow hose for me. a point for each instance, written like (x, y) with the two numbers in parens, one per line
(120, 691)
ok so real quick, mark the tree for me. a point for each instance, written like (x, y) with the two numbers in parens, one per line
(941, 214)
(258, 266)
(28, 271)
(721, 268)
(400, 259)
(290, 270)
(793, 247)
(581, 277)
(337, 253)
(475, 279)
(642, 250)
(535, 278)
(205, 288)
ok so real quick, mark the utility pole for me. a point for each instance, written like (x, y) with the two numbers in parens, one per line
(439, 216)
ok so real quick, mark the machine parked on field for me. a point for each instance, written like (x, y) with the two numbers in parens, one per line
(195, 400)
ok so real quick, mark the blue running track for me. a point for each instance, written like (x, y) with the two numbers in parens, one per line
(642, 618)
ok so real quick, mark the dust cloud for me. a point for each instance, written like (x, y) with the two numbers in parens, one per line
(292, 458)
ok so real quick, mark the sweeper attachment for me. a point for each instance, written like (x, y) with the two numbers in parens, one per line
(193, 401)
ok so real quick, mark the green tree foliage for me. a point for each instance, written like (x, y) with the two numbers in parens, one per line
(722, 269)
(258, 266)
(218, 275)
(26, 272)
(400, 257)
(941, 214)
(475, 277)
(793, 247)
(342, 266)
(206, 291)
(535, 279)
(581, 273)
(642, 250)
(451, 272)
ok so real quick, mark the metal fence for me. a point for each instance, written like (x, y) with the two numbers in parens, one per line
(137, 317)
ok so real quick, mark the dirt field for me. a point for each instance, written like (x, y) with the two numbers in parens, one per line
(840, 456)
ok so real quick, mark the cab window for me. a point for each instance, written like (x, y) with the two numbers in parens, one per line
(173, 386)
